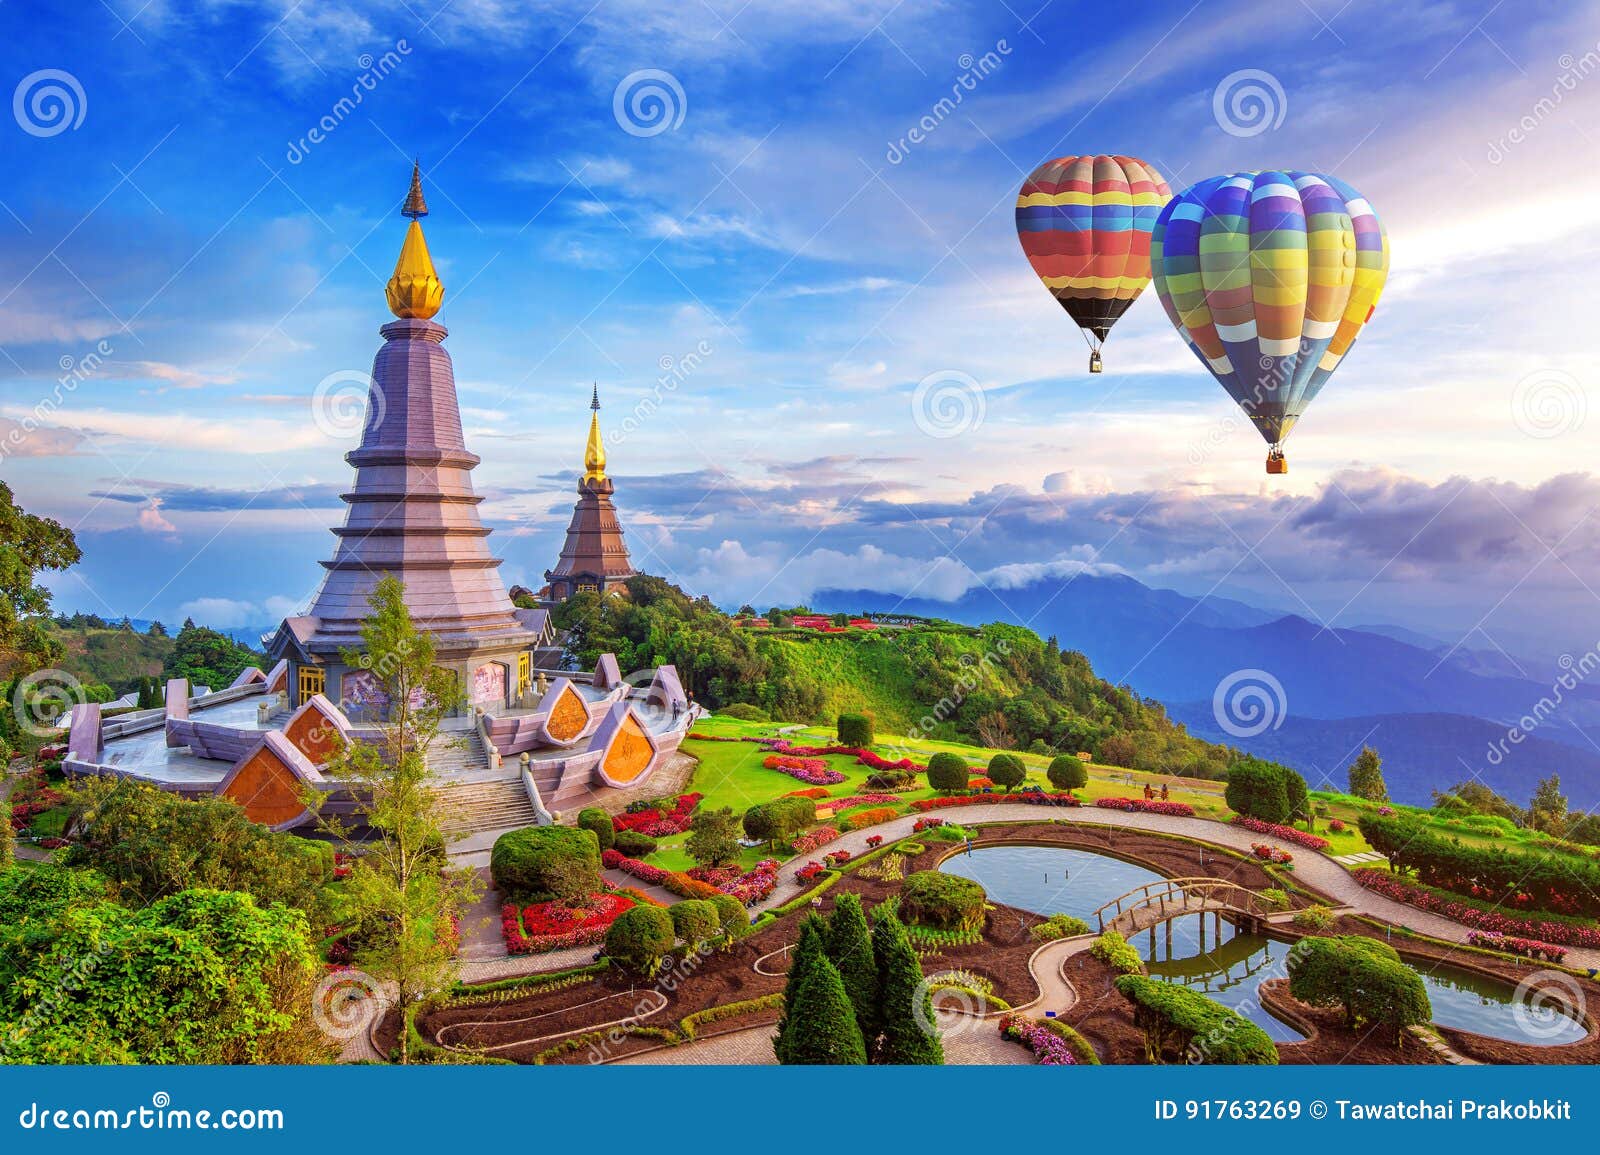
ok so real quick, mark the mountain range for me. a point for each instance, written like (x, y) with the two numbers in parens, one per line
(1439, 714)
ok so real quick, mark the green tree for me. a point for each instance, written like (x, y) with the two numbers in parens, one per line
(809, 950)
(202, 976)
(1068, 773)
(8, 837)
(402, 898)
(849, 947)
(909, 1034)
(780, 820)
(713, 837)
(539, 863)
(1366, 776)
(855, 730)
(1362, 976)
(1007, 770)
(1258, 789)
(29, 545)
(947, 771)
(825, 1032)
(695, 920)
(207, 657)
(1547, 811)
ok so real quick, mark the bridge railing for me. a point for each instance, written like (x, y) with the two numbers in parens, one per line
(1179, 896)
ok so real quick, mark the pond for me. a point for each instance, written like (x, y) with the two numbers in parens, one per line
(1060, 880)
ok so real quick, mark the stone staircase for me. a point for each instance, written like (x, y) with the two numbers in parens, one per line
(455, 755)
(474, 807)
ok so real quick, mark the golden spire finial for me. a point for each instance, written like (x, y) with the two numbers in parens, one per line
(594, 454)
(414, 290)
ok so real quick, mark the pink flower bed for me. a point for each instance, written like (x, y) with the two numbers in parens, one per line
(877, 762)
(1567, 934)
(659, 824)
(812, 839)
(755, 885)
(812, 770)
(1287, 833)
(546, 926)
(1147, 806)
(1048, 1047)
(1526, 947)
(1270, 853)
(837, 804)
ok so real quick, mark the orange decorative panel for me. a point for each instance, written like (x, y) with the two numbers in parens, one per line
(568, 716)
(267, 790)
(313, 735)
(630, 752)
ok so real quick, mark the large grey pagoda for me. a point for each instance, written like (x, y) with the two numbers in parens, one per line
(413, 514)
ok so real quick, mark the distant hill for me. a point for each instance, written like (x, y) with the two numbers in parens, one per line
(1179, 649)
(1418, 753)
(115, 657)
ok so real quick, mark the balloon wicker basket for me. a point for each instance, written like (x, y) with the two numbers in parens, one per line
(1277, 463)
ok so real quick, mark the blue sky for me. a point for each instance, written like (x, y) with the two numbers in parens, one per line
(209, 263)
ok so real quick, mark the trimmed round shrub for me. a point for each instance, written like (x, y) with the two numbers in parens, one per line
(633, 844)
(640, 938)
(943, 901)
(1068, 773)
(890, 780)
(539, 863)
(947, 771)
(1364, 977)
(695, 920)
(855, 730)
(744, 712)
(597, 820)
(779, 820)
(1258, 789)
(731, 915)
(1007, 770)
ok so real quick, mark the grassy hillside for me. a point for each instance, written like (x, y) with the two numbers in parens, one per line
(112, 656)
(998, 686)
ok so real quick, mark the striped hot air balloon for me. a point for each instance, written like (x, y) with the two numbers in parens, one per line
(1084, 223)
(1270, 276)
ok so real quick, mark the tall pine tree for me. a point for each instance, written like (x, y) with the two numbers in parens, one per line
(849, 947)
(823, 1024)
(802, 965)
(1366, 776)
(906, 1002)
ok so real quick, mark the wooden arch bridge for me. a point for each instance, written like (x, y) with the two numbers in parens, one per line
(1147, 906)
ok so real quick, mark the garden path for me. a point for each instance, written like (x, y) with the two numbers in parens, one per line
(968, 1042)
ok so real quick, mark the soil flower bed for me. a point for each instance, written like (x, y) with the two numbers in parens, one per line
(1541, 930)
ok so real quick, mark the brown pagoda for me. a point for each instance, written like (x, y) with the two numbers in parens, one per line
(594, 556)
(412, 514)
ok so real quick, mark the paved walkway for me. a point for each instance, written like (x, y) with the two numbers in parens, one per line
(968, 1042)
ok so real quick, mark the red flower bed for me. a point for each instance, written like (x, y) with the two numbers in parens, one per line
(876, 762)
(678, 883)
(1149, 806)
(874, 841)
(659, 824)
(1336, 825)
(699, 737)
(783, 746)
(1567, 934)
(546, 926)
(812, 770)
(812, 839)
(717, 876)
(1287, 833)
(1270, 853)
(922, 824)
(755, 885)
(837, 804)
(809, 792)
(980, 784)
(837, 858)
(808, 872)
(1526, 947)
(949, 800)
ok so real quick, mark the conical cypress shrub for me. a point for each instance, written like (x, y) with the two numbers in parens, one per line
(824, 1030)
(802, 964)
(909, 1036)
(849, 947)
